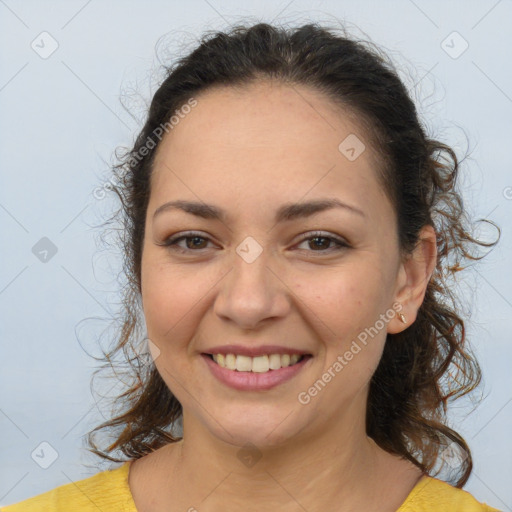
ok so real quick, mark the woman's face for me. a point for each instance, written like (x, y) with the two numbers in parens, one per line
(247, 278)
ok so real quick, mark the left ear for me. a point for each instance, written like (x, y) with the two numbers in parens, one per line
(413, 277)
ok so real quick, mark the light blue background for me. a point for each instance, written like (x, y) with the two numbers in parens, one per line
(61, 118)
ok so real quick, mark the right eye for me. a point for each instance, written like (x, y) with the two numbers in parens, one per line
(173, 242)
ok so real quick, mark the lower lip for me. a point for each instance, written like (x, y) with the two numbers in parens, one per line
(251, 381)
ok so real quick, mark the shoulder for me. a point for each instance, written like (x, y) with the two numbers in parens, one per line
(431, 494)
(107, 491)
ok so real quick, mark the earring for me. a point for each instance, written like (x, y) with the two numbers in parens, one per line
(402, 318)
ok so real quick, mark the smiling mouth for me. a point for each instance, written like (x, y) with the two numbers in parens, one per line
(258, 364)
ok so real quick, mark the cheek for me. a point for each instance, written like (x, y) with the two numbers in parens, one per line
(348, 304)
(345, 299)
(168, 300)
(172, 304)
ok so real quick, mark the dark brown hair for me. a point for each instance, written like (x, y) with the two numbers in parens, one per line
(423, 366)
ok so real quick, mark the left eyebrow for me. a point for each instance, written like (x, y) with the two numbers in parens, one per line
(287, 212)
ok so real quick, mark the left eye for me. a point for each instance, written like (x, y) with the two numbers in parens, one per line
(326, 240)
(196, 242)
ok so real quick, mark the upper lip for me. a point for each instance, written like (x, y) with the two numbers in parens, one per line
(261, 350)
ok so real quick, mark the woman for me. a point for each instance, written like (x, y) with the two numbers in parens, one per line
(290, 234)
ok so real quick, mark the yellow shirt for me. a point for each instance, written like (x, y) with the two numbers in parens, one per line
(109, 491)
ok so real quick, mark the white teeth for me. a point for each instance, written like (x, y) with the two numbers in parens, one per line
(230, 362)
(259, 364)
(294, 358)
(274, 361)
(243, 363)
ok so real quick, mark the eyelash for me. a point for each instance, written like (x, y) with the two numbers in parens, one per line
(172, 242)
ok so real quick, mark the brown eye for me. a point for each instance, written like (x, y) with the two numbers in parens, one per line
(193, 242)
(321, 242)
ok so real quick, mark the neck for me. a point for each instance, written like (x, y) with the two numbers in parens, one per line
(339, 466)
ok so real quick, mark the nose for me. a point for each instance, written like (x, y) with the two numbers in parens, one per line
(252, 293)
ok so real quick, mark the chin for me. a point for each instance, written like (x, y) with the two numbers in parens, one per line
(262, 428)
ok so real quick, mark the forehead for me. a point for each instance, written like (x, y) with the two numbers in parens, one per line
(266, 139)
(267, 115)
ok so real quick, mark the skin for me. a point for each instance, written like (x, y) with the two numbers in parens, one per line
(249, 151)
